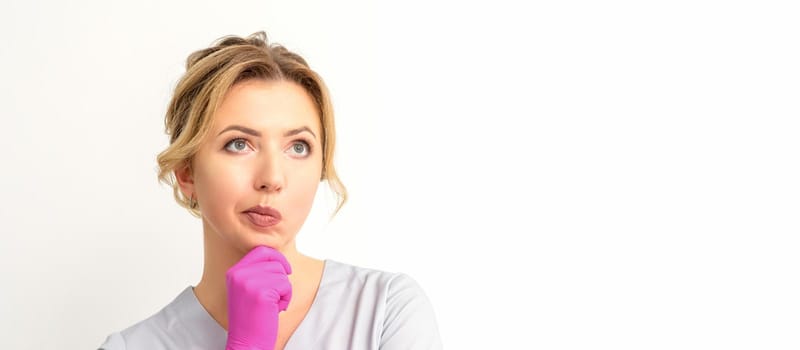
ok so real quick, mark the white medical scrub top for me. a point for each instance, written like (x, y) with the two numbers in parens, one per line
(355, 308)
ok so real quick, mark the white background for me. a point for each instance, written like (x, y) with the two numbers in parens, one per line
(564, 175)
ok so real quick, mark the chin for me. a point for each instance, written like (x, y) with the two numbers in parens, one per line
(272, 240)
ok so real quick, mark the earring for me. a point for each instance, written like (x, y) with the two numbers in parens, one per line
(192, 202)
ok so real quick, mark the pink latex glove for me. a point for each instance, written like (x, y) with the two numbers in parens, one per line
(258, 289)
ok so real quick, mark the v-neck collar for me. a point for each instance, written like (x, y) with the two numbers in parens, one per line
(205, 328)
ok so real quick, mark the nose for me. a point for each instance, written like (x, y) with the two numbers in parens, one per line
(270, 175)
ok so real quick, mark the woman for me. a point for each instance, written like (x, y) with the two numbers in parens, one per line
(251, 136)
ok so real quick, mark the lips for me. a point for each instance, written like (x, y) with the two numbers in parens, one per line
(263, 216)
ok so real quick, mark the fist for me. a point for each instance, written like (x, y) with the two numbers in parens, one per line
(258, 289)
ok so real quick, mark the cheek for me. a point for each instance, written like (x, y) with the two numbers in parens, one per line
(220, 185)
(304, 192)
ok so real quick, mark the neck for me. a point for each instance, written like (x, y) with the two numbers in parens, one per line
(219, 256)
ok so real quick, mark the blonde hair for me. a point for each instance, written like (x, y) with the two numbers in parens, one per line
(210, 73)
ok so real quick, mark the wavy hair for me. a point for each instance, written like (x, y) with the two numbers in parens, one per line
(210, 73)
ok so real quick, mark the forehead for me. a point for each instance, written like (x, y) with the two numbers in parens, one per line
(268, 106)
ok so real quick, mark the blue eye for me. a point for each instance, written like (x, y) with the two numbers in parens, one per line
(238, 144)
(300, 146)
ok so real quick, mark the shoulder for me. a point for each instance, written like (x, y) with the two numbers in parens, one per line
(342, 273)
(393, 286)
(182, 323)
(410, 320)
(130, 338)
(114, 341)
(386, 284)
(148, 333)
(401, 307)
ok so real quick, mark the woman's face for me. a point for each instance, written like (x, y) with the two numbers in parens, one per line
(264, 149)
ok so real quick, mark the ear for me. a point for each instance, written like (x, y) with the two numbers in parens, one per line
(185, 180)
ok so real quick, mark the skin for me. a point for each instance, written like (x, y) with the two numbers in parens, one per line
(234, 171)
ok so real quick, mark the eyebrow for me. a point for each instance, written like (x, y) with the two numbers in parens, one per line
(247, 130)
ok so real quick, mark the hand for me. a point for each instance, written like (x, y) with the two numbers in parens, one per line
(258, 289)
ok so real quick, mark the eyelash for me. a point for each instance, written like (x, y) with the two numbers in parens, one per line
(308, 144)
